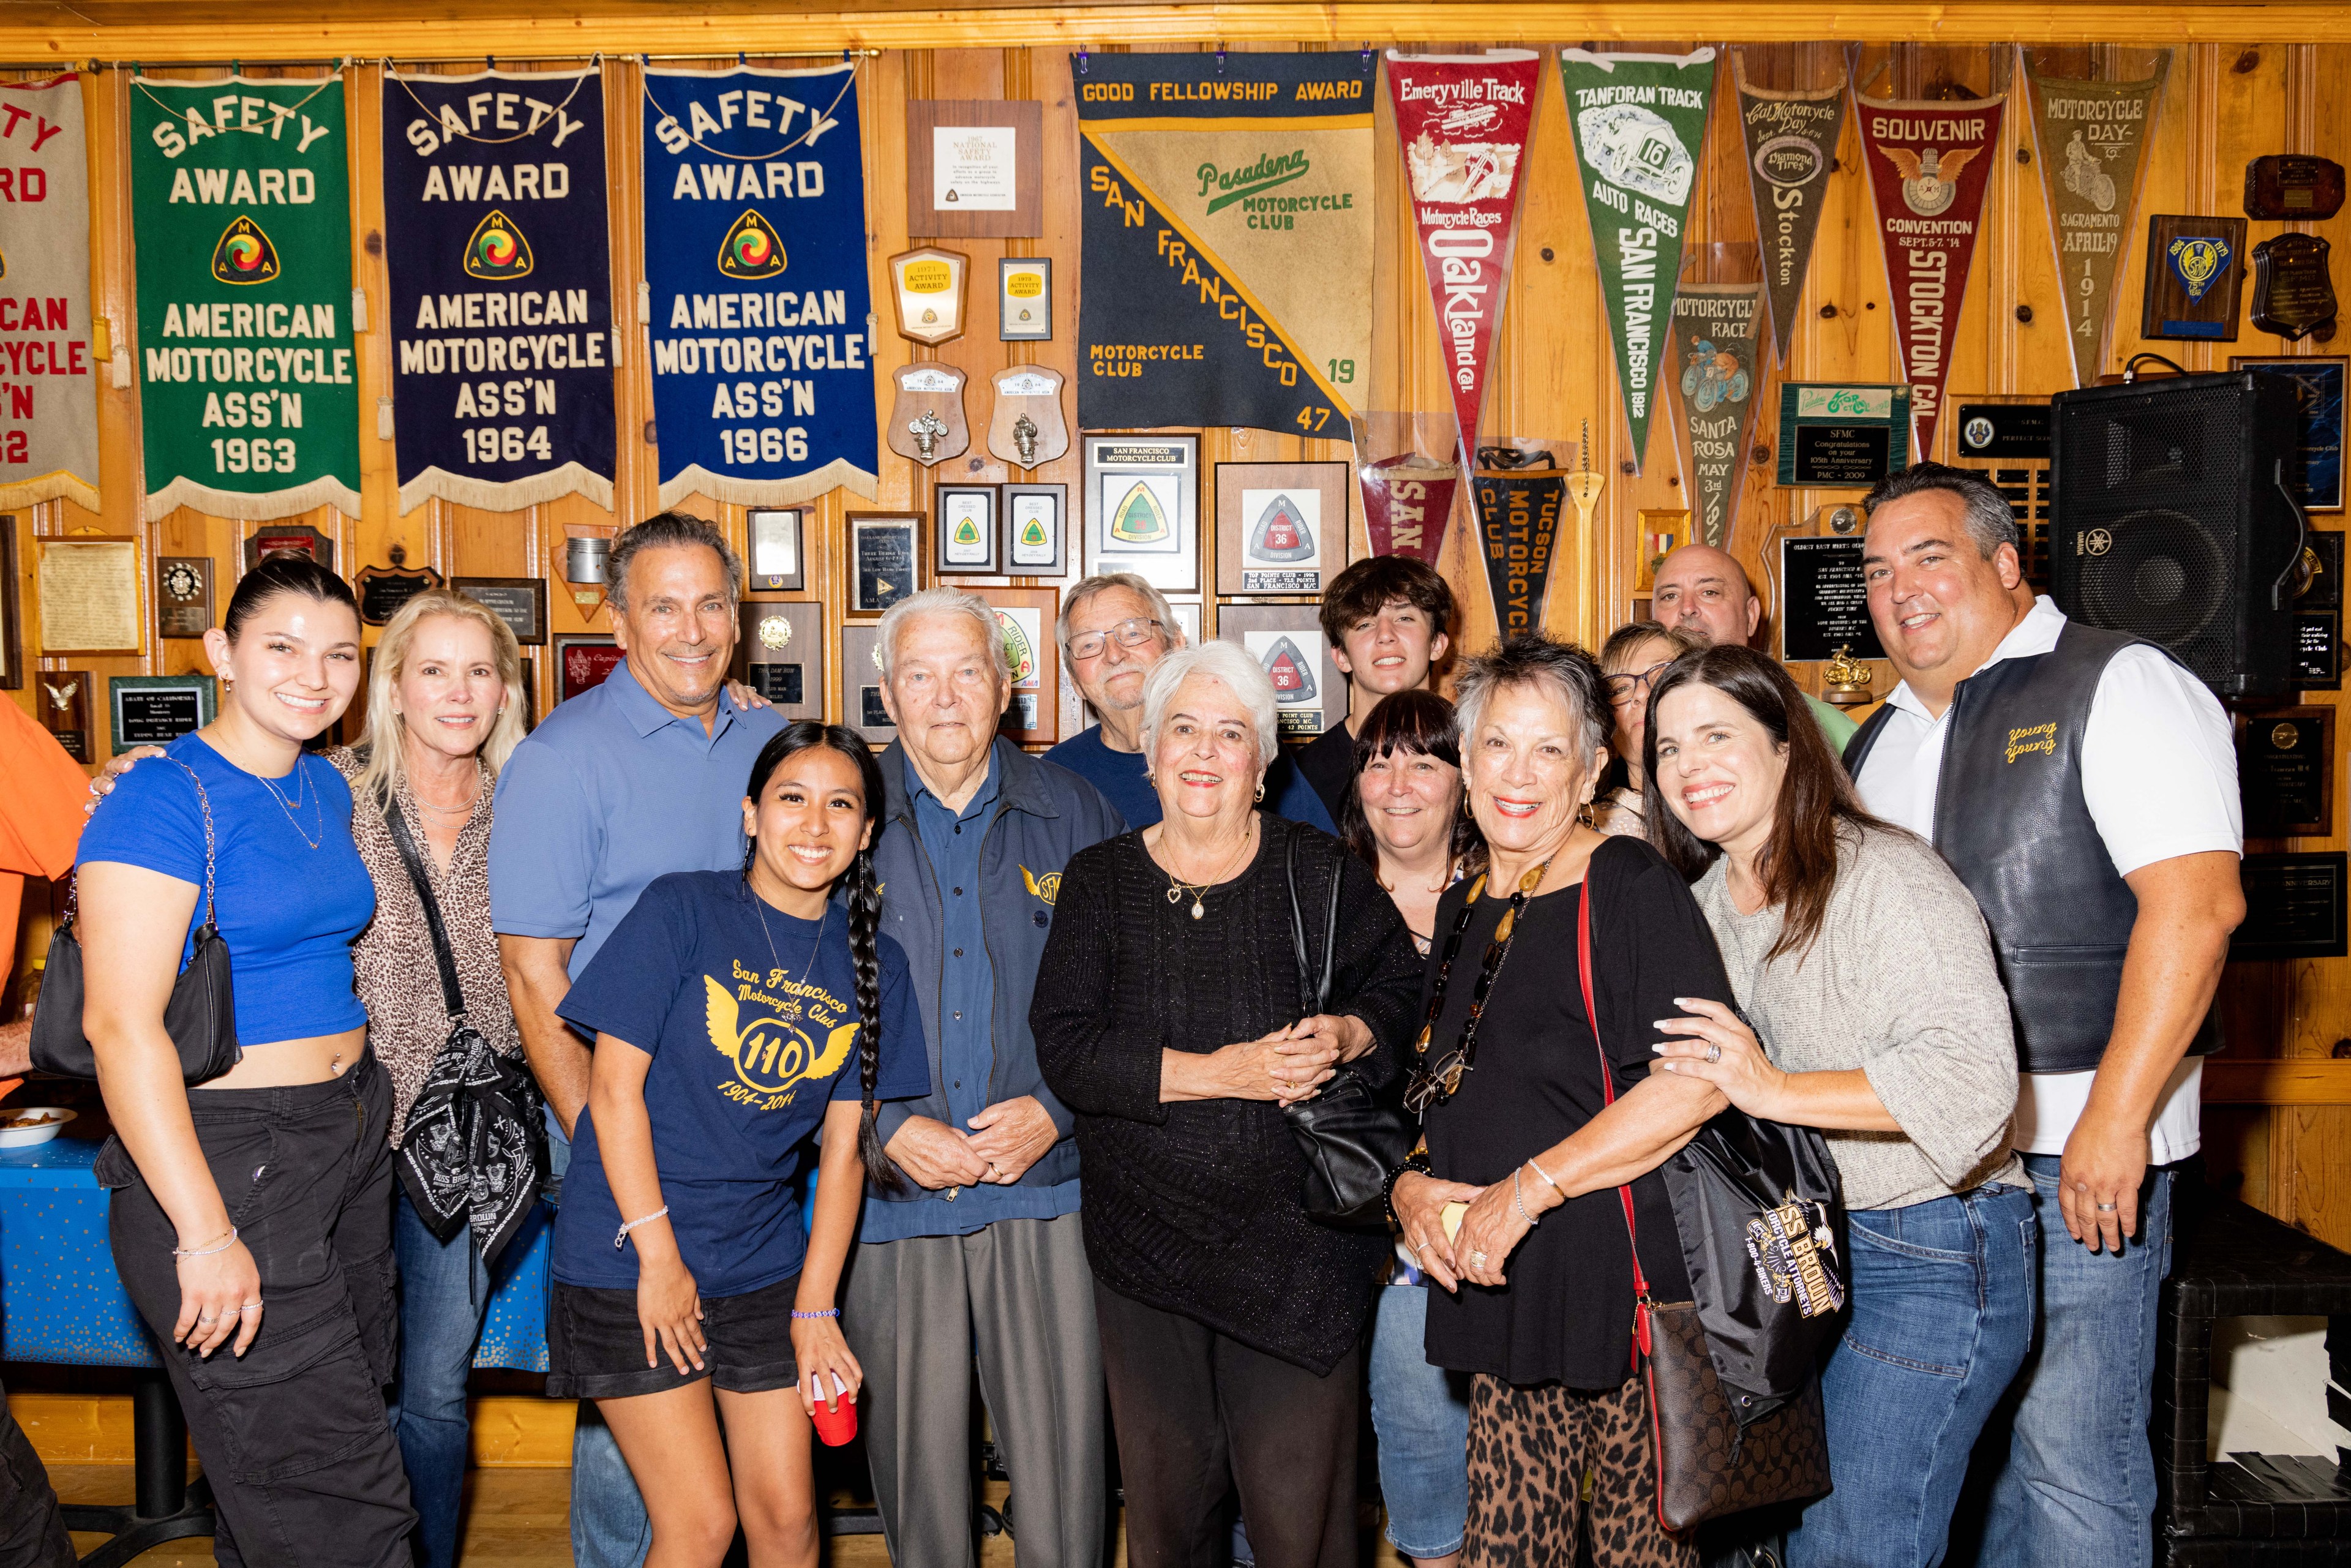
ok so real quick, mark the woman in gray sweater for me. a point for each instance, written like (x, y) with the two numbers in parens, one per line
(1862, 963)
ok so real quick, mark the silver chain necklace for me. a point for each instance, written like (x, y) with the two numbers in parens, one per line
(301, 785)
(760, 908)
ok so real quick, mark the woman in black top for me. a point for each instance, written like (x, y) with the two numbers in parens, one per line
(1167, 1017)
(1538, 1274)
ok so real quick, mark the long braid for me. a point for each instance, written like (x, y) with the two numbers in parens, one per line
(864, 927)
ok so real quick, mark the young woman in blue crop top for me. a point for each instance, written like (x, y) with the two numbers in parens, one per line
(252, 1219)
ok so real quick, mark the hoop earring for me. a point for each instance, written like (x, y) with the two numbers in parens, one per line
(1260, 790)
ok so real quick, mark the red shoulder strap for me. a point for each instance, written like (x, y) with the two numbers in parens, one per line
(1608, 1094)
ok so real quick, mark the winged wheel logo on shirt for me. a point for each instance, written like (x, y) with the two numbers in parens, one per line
(769, 1056)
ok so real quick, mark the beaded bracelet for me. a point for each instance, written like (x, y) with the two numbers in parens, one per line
(1520, 1203)
(1417, 1161)
(828, 1312)
(621, 1237)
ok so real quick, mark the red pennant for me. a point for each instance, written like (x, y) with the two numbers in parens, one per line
(1406, 504)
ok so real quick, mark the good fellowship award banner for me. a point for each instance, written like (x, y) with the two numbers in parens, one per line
(1639, 123)
(2092, 138)
(501, 304)
(1463, 122)
(1714, 377)
(49, 444)
(241, 206)
(1226, 277)
(754, 255)
(1791, 140)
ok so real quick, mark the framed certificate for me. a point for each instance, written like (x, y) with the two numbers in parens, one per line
(2318, 381)
(927, 285)
(965, 542)
(776, 565)
(861, 708)
(1281, 528)
(1024, 298)
(884, 560)
(519, 601)
(1142, 508)
(1287, 641)
(156, 710)
(783, 654)
(1026, 616)
(88, 591)
(1035, 519)
(975, 167)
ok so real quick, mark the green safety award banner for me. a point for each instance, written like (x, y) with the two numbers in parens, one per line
(241, 206)
(1226, 275)
(2092, 137)
(48, 443)
(1639, 123)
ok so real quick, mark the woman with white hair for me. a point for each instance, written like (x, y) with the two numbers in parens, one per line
(1167, 1016)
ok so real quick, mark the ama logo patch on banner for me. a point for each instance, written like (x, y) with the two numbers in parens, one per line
(762, 349)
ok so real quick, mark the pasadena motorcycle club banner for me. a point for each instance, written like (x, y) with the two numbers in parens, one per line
(1714, 378)
(501, 303)
(1463, 122)
(1226, 276)
(1639, 123)
(755, 255)
(2091, 140)
(49, 442)
(1929, 164)
(1520, 491)
(241, 206)
(1791, 140)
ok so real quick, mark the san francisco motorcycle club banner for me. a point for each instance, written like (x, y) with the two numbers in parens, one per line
(1519, 493)
(1791, 140)
(48, 441)
(754, 251)
(1928, 163)
(1226, 277)
(1714, 377)
(2092, 137)
(241, 206)
(1639, 123)
(501, 278)
(1463, 122)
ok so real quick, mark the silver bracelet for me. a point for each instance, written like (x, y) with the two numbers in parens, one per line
(621, 1237)
(1519, 1204)
(1546, 1175)
(207, 1251)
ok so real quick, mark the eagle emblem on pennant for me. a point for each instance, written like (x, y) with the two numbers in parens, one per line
(1930, 177)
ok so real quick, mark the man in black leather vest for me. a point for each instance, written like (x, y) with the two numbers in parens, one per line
(2082, 785)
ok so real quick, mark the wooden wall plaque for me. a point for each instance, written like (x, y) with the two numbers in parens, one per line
(987, 182)
(2195, 267)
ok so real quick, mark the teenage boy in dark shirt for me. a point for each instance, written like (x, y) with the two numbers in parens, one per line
(1387, 620)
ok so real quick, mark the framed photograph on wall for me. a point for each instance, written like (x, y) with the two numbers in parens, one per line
(776, 565)
(1036, 529)
(1026, 617)
(2318, 381)
(885, 559)
(782, 649)
(1024, 298)
(1281, 528)
(519, 601)
(965, 542)
(861, 708)
(1286, 640)
(1142, 508)
(582, 663)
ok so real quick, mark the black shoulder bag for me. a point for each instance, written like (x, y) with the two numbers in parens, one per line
(201, 1017)
(1350, 1137)
(474, 1143)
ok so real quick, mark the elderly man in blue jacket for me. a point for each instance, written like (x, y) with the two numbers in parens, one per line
(978, 1251)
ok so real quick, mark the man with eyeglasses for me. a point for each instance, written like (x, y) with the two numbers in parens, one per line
(1113, 628)
(1704, 592)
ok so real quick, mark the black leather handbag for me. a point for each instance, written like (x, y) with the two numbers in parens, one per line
(201, 1017)
(1349, 1135)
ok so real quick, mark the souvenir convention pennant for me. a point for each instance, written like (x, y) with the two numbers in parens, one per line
(2092, 138)
(501, 263)
(755, 253)
(1226, 277)
(1929, 164)
(241, 204)
(1714, 378)
(1640, 123)
(1791, 140)
(48, 444)
(1463, 122)
(1518, 491)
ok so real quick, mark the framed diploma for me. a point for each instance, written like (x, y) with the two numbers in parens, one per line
(927, 287)
(1026, 617)
(1034, 530)
(1287, 641)
(1142, 508)
(582, 663)
(1024, 298)
(156, 710)
(183, 595)
(12, 622)
(1281, 528)
(88, 592)
(975, 168)
(965, 542)
(62, 697)
(2285, 772)
(884, 560)
(777, 563)
(2318, 382)
(783, 654)
(519, 601)
(861, 708)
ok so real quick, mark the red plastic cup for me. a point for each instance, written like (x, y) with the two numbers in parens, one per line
(836, 1423)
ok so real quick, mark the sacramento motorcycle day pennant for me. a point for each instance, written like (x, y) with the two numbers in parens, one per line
(501, 305)
(2092, 139)
(1640, 124)
(48, 383)
(1713, 374)
(1463, 122)
(755, 253)
(1792, 139)
(1929, 164)
(1226, 277)
(241, 207)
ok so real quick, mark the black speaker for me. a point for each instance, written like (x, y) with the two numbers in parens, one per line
(2174, 523)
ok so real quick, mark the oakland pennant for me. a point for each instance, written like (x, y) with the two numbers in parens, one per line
(2092, 138)
(1928, 163)
(1639, 122)
(1714, 378)
(1791, 140)
(501, 300)
(48, 445)
(1227, 270)
(241, 204)
(763, 375)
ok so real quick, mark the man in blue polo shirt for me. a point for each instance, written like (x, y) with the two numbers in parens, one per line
(640, 776)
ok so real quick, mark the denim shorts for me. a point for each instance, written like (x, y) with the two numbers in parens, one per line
(596, 1346)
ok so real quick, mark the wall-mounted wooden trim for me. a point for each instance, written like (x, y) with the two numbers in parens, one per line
(2294, 1080)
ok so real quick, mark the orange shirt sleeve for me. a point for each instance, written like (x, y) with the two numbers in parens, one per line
(40, 805)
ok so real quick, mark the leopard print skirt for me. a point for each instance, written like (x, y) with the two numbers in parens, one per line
(1549, 1464)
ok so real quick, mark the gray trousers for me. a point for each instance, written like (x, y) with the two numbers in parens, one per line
(1020, 1296)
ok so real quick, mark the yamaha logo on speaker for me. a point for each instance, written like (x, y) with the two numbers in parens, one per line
(2098, 541)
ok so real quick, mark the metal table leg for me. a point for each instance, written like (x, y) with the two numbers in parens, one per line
(167, 1507)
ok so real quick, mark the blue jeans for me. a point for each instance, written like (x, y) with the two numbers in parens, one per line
(443, 1293)
(1942, 1296)
(608, 1525)
(1422, 1416)
(2078, 1487)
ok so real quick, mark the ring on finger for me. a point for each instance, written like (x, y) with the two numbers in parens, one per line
(2108, 1207)
(207, 1317)
(1713, 1053)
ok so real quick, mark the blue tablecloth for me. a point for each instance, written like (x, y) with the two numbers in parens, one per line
(61, 1302)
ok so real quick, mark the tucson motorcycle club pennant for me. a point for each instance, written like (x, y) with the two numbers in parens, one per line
(1640, 123)
(1929, 164)
(755, 257)
(501, 305)
(48, 445)
(2092, 139)
(241, 205)
(1791, 140)
(1518, 495)
(1463, 120)
(1226, 277)
(1713, 374)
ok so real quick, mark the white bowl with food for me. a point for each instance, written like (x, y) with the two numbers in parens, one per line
(22, 1126)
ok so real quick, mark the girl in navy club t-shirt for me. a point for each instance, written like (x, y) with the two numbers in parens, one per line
(735, 1019)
